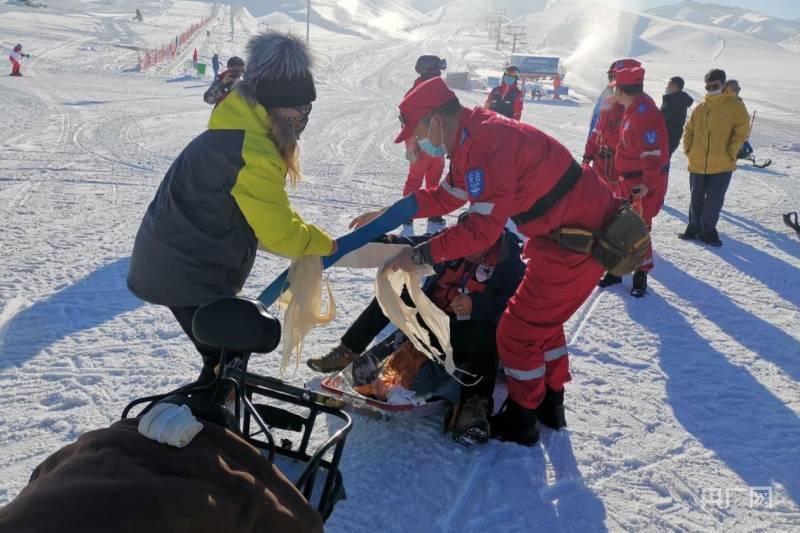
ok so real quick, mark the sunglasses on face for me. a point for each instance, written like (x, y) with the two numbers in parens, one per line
(713, 86)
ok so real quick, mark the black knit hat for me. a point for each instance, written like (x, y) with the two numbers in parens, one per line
(235, 61)
(278, 72)
(430, 66)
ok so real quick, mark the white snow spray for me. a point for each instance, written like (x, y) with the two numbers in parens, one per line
(607, 33)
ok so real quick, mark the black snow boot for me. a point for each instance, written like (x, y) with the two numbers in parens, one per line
(515, 423)
(639, 288)
(689, 234)
(551, 410)
(710, 237)
(608, 280)
(473, 422)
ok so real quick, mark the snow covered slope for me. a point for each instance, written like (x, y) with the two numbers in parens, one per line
(771, 29)
(677, 400)
(366, 17)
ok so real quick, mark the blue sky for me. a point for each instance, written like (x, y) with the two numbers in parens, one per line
(787, 9)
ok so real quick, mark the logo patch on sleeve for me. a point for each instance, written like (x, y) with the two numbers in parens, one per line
(650, 137)
(475, 182)
(642, 108)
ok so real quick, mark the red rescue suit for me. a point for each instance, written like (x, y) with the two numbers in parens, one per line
(425, 167)
(502, 167)
(605, 134)
(421, 165)
(642, 157)
(506, 100)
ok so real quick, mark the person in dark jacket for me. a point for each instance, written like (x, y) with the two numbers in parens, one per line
(674, 105)
(225, 194)
(215, 65)
(225, 82)
(474, 291)
(507, 98)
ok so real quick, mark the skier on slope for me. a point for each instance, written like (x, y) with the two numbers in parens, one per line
(215, 65)
(507, 97)
(225, 194)
(15, 56)
(641, 160)
(505, 168)
(420, 164)
(604, 137)
(225, 82)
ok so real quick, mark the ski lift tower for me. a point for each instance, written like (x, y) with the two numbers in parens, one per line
(518, 36)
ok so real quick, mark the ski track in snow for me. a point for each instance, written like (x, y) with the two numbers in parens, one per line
(694, 388)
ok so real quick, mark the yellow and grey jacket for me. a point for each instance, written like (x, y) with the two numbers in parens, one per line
(223, 194)
(715, 132)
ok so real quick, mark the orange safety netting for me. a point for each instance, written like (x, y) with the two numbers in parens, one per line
(169, 50)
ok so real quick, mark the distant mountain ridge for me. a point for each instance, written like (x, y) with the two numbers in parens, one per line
(782, 32)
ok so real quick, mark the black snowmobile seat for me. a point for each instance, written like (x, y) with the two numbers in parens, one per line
(237, 324)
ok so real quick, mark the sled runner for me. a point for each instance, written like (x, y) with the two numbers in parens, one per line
(790, 219)
(746, 151)
(240, 327)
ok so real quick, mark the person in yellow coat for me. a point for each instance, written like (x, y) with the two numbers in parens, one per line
(711, 139)
(226, 192)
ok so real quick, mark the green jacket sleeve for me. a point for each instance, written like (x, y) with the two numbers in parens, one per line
(260, 193)
(740, 131)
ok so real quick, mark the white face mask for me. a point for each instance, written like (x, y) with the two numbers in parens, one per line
(718, 91)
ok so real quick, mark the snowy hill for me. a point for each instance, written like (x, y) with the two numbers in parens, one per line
(362, 16)
(771, 29)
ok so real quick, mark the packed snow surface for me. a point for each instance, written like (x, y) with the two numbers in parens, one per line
(683, 409)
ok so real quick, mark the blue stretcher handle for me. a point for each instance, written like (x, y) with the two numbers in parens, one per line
(395, 215)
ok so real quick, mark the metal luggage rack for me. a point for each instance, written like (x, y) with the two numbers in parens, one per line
(240, 327)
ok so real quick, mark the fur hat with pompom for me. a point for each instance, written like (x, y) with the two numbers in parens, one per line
(278, 72)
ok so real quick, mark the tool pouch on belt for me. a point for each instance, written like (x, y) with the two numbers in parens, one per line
(620, 247)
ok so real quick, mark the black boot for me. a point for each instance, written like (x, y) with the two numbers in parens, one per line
(639, 288)
(689, 234)
(473, 423)
(710, 237)
(551, 410)
(608, 280)
(515, 423)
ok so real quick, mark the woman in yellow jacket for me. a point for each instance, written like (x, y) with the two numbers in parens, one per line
(712, 137)
(226, 192)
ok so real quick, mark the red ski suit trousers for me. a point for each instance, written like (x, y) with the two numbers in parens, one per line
(557, 281)
(14, 66)
(427, 167)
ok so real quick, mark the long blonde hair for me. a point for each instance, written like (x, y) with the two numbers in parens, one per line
(285, 139)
